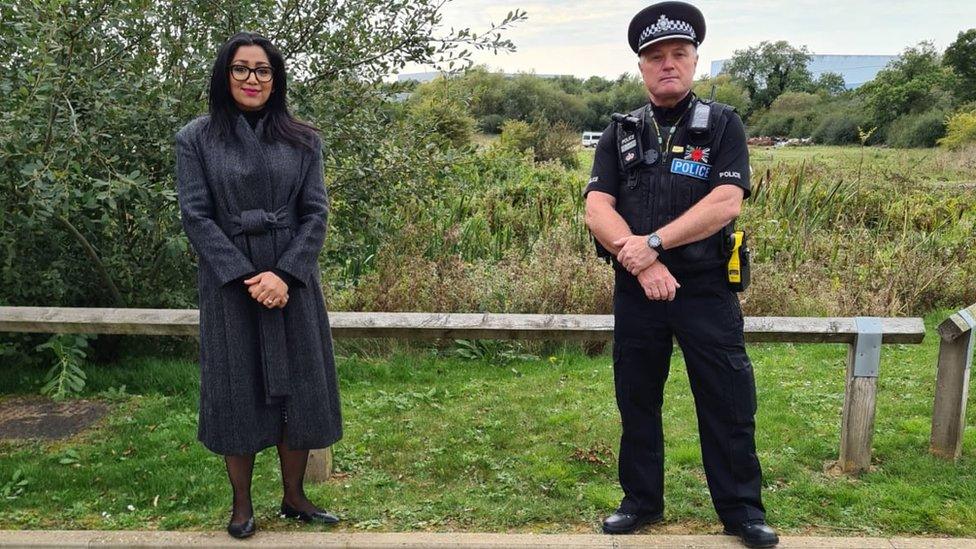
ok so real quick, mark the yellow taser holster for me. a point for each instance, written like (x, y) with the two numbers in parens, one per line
(738, 266)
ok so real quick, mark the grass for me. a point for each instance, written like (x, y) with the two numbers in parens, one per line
(435, 442)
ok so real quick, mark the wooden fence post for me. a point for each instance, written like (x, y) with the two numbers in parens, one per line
(857, 423)
(952, 383)
(319, 466)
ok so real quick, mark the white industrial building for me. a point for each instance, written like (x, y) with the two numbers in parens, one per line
(856, 69)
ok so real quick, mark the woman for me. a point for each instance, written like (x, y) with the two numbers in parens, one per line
(254, 206)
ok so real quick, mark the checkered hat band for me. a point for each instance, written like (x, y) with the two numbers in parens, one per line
(667, 27)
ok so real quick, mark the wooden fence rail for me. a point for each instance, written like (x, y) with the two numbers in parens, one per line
(185, 322)
(864, 336)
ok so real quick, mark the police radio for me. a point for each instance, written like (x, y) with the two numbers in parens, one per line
(738, 266)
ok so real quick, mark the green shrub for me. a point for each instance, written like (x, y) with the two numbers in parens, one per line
(547, 142)
(491, 123)
(774, 125)
(442, 109)
(793, 114)
(960, 130)
(838, 128)
(916, 130)
(786, 125)
(559, 142)
(795, 103)
(517, 135)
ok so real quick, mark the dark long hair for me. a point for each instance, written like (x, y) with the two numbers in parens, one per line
(279, 124)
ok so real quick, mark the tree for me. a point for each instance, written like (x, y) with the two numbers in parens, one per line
(568, 84)
(830, 83)
(913, 83)
(596, 84)
(496, 97)
(768, 70)
(624, 94)
(961, 57)
(726, 91)
(92, 92)
(531, 98)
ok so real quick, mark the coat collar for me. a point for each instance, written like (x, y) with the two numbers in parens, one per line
(254, 151)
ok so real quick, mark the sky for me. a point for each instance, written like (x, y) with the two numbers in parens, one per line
(589, 37)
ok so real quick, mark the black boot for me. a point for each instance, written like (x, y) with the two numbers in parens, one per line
(754, 533)
(625, 523)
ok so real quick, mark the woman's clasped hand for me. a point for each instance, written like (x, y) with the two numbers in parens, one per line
(268, 289)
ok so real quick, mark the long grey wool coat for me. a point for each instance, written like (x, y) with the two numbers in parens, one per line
(249, 206)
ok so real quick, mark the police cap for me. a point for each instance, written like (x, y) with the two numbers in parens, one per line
(666, 21)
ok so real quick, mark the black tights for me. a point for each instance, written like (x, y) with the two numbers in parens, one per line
(240, 469)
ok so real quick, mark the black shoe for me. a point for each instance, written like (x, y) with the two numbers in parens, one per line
(320, 517)
(242, 530)
(754, 533)
(625, 523)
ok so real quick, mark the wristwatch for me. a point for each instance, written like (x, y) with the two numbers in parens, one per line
(654, 243)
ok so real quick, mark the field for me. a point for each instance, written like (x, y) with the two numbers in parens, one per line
(833, 231)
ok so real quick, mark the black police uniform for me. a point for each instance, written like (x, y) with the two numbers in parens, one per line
(704, 317)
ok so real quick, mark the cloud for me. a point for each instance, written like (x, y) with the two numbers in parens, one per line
(588, 37)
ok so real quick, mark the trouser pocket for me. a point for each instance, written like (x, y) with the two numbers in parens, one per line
(744, 403)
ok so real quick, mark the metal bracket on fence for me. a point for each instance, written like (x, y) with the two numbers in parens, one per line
(867, 346)
(964, 313)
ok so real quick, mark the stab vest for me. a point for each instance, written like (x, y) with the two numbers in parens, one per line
(651, 196)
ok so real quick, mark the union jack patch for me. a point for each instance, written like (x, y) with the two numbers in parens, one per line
(697, 154)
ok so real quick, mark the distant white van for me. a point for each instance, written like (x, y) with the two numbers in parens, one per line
(590, 139)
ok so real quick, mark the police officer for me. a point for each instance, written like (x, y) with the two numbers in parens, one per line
(668, 181)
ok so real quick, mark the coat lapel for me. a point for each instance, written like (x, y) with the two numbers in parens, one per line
(259, 185)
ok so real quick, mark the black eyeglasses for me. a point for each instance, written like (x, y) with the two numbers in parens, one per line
(242, 72)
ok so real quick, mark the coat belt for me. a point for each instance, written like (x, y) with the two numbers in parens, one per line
(258, 222)
(258, 226)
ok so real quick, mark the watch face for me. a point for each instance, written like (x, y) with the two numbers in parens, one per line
(654, 240)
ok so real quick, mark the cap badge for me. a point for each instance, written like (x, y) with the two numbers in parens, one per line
(665, 25)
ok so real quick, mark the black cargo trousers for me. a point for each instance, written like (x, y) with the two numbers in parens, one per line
(706, 320)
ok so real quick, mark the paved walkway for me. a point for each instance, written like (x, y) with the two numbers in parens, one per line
(271, 540)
